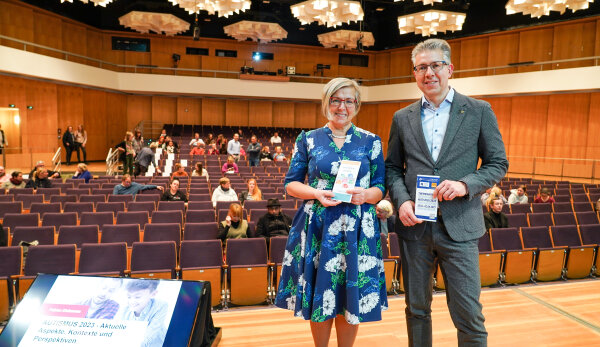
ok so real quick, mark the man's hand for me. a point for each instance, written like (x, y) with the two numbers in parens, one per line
(448, 190)
(324, 197)
(161, 188)
(407, 214)
(359, 195)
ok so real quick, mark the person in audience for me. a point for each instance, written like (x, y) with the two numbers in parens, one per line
(179, 171)
(234, 226)
(253, 151)
(196, 140)
(144, 158)
(169, 139)
(15, 181)
(278, 155)
(199, 170)
(171, 148)
(129, 152)
(127, 187)
(82, 173)
(495, 218)
(163, 133)
(223, 192)
(138, 140)
(240, 133)
(173, 193)
(265, 154)
(68, 141)
(212, 149)
(385, 216)
(143, 306)
(210, 139)
(3, 140)
(234, 146)
(518, 196)
(39, 180)
(544, 197)
(230, 166)
(253, 192)
(275, 139)
(274, 222)
(223, 148)
(3, 176)
(3, 237)
(220, 140)
(39, 164)
(101, 305)
(198, 149)
(80, 137)
(493, 190)
(160, 143)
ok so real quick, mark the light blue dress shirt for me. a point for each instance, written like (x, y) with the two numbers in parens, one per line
(434, 122)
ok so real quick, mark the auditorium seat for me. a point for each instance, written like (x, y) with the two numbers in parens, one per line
(106, 192)
(200, 205)
(43, 235)
(12, 220)
(114, 207)
(54, 259)
(148, 206)
(490, 262)
(200, 231)
(19, 191)
(154, 260)
(517, 220)
(78, 234)
(203, 261)
(590, 235)
(62, 186)
(541, 207)
(103, 259)
(589, 217)
(168, 217)
(6, 198)
(519, 208)
(78, 207)
(171, 206)
(47, 192)
(276, 254)
(559, 198)
(582, 206)
(224, 205)
(518, 262)
(564, 218)
(390, 265)
(77, 191)
(44, 207)
(10, 207)
(540, 219)
(580, 258)
(63, 199)
(120, 198)
(255, 205)
(163, 232)
(93, 198)
(562, 207)
(248, 271)
(59, 219)
(28, 199)
(97, 218)
(200, 216)
(137, 217)
(128, 233)
(582, 197)
(10, 266)
(550, 260)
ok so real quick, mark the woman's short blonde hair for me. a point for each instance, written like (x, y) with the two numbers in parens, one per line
(82, 166)
(387, 207)
(235, 210)
(332, 87)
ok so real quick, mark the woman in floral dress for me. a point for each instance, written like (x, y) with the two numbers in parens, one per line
(333, 268)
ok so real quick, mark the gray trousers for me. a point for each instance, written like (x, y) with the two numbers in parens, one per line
(459, 262)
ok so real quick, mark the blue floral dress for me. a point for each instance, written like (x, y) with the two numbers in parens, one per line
(333, 261)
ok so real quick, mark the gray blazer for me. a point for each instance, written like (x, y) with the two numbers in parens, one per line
(472, 134)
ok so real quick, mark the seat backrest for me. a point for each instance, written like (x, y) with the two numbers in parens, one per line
(44, 235)
(564, 218)
(18, 191)
(200, 205)
(394, 244)
(171, 206)
(201, 253)
(120, 198)
(539, 219)
(147, 197)
(108, 257)
(582, 206)
(536, 237)
(113, 207)
(12, 220)
(168, 217)
(10, 207)
(158, 255)
(224, 205)
(589, 217)
(517, 220)
(200, 231)
(541, 207)
(77, 234)
(579, 197)
(12, 261)
(77, 191)
(62, 199)
(93, 198)
(485, 244)
(59, 259)
(128, 233)
(60, 219)
(565, 235)
(136, 217)
(590, 234)
(148, 206)
(163, 232)
(246, 251)
(96, 218)
(42, 208)
(384, 246)
(562, 207)
(255, 205)
(505, 239)
(28, 199)
(48, 192)
(78, 207)
(277, 248)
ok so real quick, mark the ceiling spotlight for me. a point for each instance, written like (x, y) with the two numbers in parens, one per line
(379, 9)
(256, 56)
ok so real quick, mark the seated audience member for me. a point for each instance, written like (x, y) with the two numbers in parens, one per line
(278, 155)
(230, 166)
(179, 171)
(495, 218)
(212, 149)
(220, 140)
(274, 222)
(196, 140)
(160, 143)
(144, 158)
(240, 133)
(275, 139)
(39, 164)
(163, 133)
(39, 180)
(493, 190)
(265, 154)
(544, 197)
(518, 196)
(210, 139)
(144, 307)
(253, 192)
(223, 192)
(234, 226)
(198, 149)
(3, 237)
(171, 148)
(100, 304)
(3, 176)
(15, 181)
(82, 173)
(253, 151)
(199, 170)
(173, 193)
(385, 216)
(223, 148)
(128, 187)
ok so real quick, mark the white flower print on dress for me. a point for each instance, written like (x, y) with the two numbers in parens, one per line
(336, 264)
(348, 138)
(351, 318)
(291, 302)
(308, 210)
(316, 259)
(294, 151)
(302, 243)
(365, 181)
(310, 142)
(344, 223)
(381, 266)
(321, 184)
(366, 262)
(287, 258)
(376, 149)
(368, 302)
(334, 167)
(368, 225)
(328, 302)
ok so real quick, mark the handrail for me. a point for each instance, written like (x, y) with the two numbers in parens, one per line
(102, 63)
(56, 160)
(112, 161)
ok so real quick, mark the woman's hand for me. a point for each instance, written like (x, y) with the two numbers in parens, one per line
(359, 195)
(324, 197)
(228, 220)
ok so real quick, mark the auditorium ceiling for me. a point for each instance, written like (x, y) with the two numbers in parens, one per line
(483, 16)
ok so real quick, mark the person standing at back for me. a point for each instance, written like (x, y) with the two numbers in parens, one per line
(443, 134)
(80, 137)
(69, 143)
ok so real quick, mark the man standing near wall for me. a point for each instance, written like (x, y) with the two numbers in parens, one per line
(69, 143)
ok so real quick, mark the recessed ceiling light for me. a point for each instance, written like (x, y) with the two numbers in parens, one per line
(379, 9)
(266, 2)
(301, 28)
(207, 19)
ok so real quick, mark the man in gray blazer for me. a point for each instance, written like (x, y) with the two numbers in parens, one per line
(443, 134)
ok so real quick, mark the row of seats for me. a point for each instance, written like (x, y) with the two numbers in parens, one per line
(518, 220)
(545, 207)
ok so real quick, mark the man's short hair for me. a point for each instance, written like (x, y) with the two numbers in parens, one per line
(223, 180)
(135, 285)
(432, 45)
(153, 145)
(125, 177)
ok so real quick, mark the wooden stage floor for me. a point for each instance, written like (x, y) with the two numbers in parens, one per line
(549, 314)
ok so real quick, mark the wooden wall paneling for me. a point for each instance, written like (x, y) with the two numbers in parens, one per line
(110, 55)
(69, 110)
(568, 43)
(209, 63)
(189, 111)
(94, 45)
(382, 65)
(260, 113)
(597, 38)
(16, 21)
(139, 108)
(13, 91)
(136, 60)
(502, 107)
(95, 123)
(589, 41)
(213, 111)
(367, 118)
(162, 60)
(39, 125)
(401, 65)
(116, 112)
(189, 62)
(503, 50)
(74, 40)
(385, 113)
(47, 31)
(527, 131)
(308, 116)
(535, 45)
(474, 55)
(283, 114)
(593, 128)
(164, 109)
(236, 112)
(455, 54)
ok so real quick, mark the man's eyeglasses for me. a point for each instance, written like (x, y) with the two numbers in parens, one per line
(347, 102)
(436, 66)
